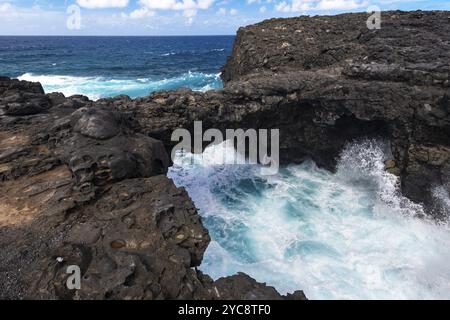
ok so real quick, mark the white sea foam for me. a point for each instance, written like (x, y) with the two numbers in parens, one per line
(346, 235)
(442, 196)
(100, 87)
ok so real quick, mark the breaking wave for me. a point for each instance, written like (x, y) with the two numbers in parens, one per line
(101, 87)
(347, 235)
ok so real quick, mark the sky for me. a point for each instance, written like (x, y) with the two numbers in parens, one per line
(172, 17)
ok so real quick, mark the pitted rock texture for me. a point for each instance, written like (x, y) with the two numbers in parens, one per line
(410, 47)
(83, 185)
(21, 98)
(119, 155)
(140, 240)
(242, 287)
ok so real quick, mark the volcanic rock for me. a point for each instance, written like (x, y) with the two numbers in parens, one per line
(82, 182)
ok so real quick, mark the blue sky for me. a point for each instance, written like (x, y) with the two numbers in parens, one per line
(171, 17)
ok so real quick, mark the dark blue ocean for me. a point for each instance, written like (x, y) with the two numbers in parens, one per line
(108, 66)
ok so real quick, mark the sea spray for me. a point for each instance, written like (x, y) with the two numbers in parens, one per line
(347, 235)
(441, 199)
(362, 163)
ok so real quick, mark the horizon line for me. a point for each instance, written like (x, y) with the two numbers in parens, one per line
(62, 35)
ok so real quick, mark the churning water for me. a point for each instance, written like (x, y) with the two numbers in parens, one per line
(344, 235)
(101, 87)
(348, 235)
(100, 67)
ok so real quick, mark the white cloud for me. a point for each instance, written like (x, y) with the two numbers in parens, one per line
(341, 4)
(305, 5)
(224, 12)
(190, 14)
(141, 13)
(177, 5)
(189, 7)
(31, 20)
(100, 4)
(6, 7)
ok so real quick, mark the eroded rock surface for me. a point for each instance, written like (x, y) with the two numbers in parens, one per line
(83, 182)
(83, 185)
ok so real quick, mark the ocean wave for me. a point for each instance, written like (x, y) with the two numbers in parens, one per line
(101, 87)
(344, 235)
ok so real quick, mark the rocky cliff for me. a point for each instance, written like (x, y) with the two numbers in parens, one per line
(83, 182)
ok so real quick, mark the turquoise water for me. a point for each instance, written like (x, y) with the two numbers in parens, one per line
(100, 87)
(349, 235)
(108, 66)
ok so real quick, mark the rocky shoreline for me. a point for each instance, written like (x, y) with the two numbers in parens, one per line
(84, 183)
